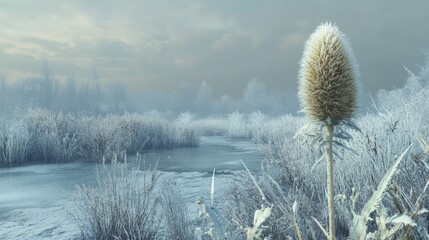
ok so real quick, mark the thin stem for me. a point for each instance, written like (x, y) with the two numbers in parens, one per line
(330, 180)
(296, 229)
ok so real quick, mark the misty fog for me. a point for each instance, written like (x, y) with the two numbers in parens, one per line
(90, 96)
(148, 55)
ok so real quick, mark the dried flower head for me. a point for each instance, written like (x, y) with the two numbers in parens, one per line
(327, 85)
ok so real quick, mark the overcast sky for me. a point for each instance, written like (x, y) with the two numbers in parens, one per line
(161, 44)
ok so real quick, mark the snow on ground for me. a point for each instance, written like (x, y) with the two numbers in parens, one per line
(39, 223)
(55, 220)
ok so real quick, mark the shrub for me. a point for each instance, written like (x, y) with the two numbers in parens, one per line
(212, 126)
(101, 139)
(113, 136)
(43, 136)
(187, 132)
(13, 144)
(237, 125)
(124, 206)
(159, 132)
(256, 121)
(52, 137)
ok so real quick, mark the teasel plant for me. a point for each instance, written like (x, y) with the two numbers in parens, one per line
(327, 92)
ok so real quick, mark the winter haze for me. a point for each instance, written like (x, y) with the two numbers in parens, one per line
(170, 47)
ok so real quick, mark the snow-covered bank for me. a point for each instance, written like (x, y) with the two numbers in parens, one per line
(38, 202)
(54, 220)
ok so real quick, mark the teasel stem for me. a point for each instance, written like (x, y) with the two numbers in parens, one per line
(296, 230)
(330, 179)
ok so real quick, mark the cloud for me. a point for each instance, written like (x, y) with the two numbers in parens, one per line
(153, 45)
(293, 40)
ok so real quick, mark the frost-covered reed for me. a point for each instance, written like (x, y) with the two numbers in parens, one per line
(188, 135)
(42, 136)
(124, 205)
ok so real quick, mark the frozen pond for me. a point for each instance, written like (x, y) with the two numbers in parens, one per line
(36, 201)
(213, 152)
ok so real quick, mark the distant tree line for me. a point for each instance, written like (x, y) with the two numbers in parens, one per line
(90, 96)
(71, 96)
(201, 101)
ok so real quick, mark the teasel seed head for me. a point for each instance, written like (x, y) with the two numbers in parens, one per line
(327, 76)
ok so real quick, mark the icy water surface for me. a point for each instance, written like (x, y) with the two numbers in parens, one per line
(36, 202)
(213, 152)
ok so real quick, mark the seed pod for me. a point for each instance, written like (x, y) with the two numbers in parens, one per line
(327, 76)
